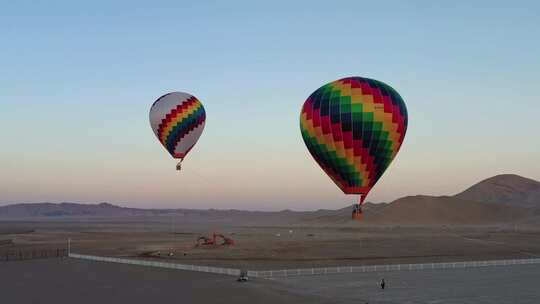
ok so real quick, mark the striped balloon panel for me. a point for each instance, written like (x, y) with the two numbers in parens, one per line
(353, 128)
(178, 120)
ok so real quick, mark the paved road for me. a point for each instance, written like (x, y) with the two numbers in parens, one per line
(507, 284)
(59, 281)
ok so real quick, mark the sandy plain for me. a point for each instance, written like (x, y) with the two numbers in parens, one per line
(276, 246)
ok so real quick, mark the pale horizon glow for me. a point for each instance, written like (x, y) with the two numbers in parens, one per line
(78, 80)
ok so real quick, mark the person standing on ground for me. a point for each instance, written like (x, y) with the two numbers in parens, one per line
(383, 284)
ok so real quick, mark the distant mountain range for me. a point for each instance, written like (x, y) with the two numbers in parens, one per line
(508, 189)
(499, 199)
(68, 209)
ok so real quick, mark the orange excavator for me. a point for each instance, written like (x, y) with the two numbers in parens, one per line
(206, 241)
(227, 241)
(203, 240)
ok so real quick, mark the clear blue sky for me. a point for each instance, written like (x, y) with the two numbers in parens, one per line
(77, 79)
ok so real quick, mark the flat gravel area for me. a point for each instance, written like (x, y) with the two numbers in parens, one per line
(59, 281)
(505, 284)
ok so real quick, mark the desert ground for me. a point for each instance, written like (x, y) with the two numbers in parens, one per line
(272, 247)
(76, 281)
(498, 218)
(513, 284)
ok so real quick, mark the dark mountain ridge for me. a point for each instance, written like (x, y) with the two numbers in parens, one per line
(508, 189)
(499, 199)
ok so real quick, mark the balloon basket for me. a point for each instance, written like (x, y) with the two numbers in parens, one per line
(357, 213)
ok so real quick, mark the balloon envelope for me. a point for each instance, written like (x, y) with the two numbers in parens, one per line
(178, 120)
(353, 128)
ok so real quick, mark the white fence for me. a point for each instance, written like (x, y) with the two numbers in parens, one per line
(310, 271)
(226, 271)
(378, 268)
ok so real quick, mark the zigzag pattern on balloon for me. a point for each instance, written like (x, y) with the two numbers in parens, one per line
(353, 128)
(179, 122)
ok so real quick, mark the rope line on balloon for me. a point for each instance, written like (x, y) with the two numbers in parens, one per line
(361, 198)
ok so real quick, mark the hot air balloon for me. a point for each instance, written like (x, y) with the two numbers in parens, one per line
(177, 119)
(353, 127)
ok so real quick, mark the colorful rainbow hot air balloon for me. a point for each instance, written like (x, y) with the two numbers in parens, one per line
(353, 128)
(178, 120)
